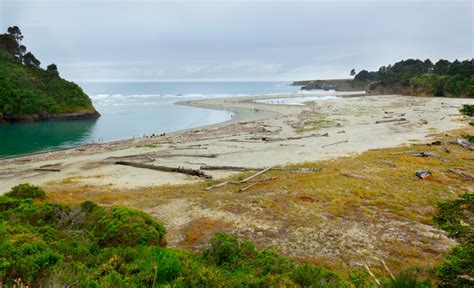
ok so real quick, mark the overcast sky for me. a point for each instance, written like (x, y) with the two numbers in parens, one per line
(236, 40)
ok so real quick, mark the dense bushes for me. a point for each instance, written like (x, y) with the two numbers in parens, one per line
(467, 110)
(416, 77)
(456, 218)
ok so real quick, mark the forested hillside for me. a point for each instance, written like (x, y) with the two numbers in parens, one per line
(408, 77)
(30, 93)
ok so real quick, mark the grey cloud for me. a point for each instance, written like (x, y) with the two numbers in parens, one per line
(237, 40)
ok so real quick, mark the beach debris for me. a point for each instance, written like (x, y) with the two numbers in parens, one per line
(423, 122)
(256, 174)
(464, 143)
(354, 176)
(415, 153)
(238, 168)
(461, 173)
(446, 148)
(423, 154)
(434, 143)
(50, 168)
(247, 187)
(187, 171)
(184, 155)
(335, 143)
(391, 120)
(423, 173)
(239, 182)
(402, 123)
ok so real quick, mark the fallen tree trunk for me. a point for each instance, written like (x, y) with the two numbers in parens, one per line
(238, 168)
(239, 182)
(391, 120)
(48, 169)
(463, 143)
(335, 143)
(462, 174)
(192, 172)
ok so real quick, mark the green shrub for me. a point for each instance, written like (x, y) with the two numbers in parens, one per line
(456, 218)
(225, 249)
(127, 227)
(24, 191)
(467, 109)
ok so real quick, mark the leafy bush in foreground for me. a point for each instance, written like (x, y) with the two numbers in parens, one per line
(456, 218)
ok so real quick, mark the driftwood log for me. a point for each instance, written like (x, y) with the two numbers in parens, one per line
(463, 143)
(192, 172)
(50, 168)
(335, 143)
(239, 182)
(461, 174)
(391, 120)
(238, 168)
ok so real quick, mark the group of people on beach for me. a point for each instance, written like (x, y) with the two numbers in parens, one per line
(153, 135)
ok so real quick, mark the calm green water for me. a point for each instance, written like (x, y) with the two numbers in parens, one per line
(130, 110)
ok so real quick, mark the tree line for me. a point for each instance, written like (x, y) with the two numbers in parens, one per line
(11, 42)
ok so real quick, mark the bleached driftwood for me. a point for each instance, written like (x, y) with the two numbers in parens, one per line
(238, 168)
(239, 182)
(192, 172)
(391, 120)
(335, 143)
(256, 175)
(247, 187)
(464, 143)
(461, 174)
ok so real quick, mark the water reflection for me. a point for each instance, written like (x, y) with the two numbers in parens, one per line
(20, 138)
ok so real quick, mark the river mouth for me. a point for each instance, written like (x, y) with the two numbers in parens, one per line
(132, 110)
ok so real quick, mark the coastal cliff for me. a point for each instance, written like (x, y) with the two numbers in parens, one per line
(407, 77)
(29, 93)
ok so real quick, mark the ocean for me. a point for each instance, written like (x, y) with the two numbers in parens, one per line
(130, 110)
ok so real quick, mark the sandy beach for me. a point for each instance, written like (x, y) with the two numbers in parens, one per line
(259, 135)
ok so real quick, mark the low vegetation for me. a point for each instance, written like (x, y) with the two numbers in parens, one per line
(45, 245)
(28, 92)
